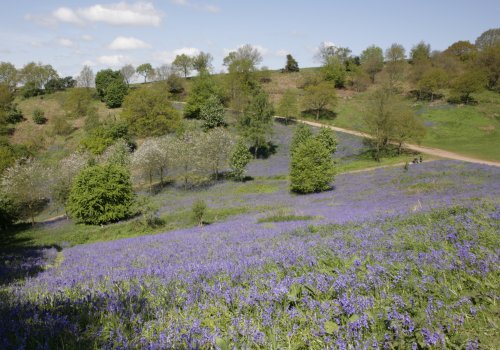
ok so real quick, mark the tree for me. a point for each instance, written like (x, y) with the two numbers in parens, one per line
(291, 64)
(395, 65)
(148, 159)
(78, 102)
(488, 60)
(163, 72)
(420, 52)
(101, 194)
(256, 123)
(25, 184)
(468, 83)
(102, 136)
(8, 212)
(104, 78)
(319, 97)
(8, 75)
(488, 38)
(199, 211)
(128, 72)
(462, 50)
(239, 159)
(36, 75)
(245, 59)
(327, 137)
(372, 61)
(302, 134)
(59, 84)
(218, 144)
(334, 70)
(407, 127)
(287, 106)
(146, 70)
(212, 113)
(86, 79)
(118, 153)
(175, 84)
(432, 81)
(202, 62)
(148, 112)
(64, 173)
(115, 93)
(183, 63)
(204, 86)
(359, 80)
(327, 51)
(311, 168)
(189, 159)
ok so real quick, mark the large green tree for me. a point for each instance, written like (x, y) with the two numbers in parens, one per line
(372, 61)
(320, 97)
(149, 112)
(202, 62)
(288, 106)
(488, 38)
(8, 75)
(183, 63)
(204, 86)
(146, 70)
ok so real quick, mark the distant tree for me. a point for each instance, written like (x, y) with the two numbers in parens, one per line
(202, 62)
(59, 84)
(239, 159)
(372, 61)
(245, 59)
(291, 64)
(488, 60)
(463, 50)
(101, 194)
(104, 78)
(115, 94)
(25, 184)
(431, 82)
(175, 84)
(6, 98)
(203, 87)
(148, 160)
(212, 113)
(334, 70)
(287, 106)
(407, 127)
(488, 38)
(359, 80)
(256, 124)
(395, 53)
(146, 70)
(301, 135)
(468, 83)
(86, 79)
(395, 65)
(102, 136)
(420, 52)
(327, 137)
(326, 51)
(218, 144)
(311, 168)
(118, 153)
(199, 211)
(320, 97)
(8, 75)
(148, 112)
(183, 63)
(77, 102)
(128, 72)
(163, 72)
(36, 75)
(189, 159)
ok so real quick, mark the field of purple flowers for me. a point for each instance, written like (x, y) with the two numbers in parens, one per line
(390, 259)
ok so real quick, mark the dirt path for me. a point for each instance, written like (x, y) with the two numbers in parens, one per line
(422, 149)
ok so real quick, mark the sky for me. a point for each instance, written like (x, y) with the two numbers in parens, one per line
(110, 34)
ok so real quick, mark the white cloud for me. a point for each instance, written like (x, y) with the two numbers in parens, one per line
(190, 51)
(65, 42)
(87, 37)
(262, 50)
(113, 60)
(46, 21)
(281, 53)
(139, 13)
(197, 6)
(127, 43)
(65, 14)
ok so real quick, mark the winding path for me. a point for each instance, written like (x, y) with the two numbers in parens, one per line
(422, 149)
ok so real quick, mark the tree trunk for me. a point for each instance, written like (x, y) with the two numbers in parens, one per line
(150, 182)
(400, 146)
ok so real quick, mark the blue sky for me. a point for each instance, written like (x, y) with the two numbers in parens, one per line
(102, 33)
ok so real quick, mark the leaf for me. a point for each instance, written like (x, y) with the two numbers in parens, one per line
(222, 344)
(331, 327)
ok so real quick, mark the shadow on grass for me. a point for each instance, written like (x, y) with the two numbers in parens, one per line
(324, 114)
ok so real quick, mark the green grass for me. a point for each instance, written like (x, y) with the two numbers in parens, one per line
(283, 218)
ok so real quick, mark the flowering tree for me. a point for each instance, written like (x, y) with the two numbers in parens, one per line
(148, 160)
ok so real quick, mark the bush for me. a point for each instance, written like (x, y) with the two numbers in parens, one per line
(239, 159)
(115, 93)
(312, 167)
(8, 212)
(199, 211)
(14, 115)
(101, 194)
(39, 116)
(61, 126)
(100, 138)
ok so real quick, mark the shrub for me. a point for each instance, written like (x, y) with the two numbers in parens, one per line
(239, 159)
(115, 93)
(61, 126)
(8, 213)
(327, 137)
(101, 194)
(39, 116)
(199, 211)
(14, 115)
(212, 113)
(312, 167)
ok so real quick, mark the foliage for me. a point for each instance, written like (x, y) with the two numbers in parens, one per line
(488, 60)
(372, 61)
(212, 113)
(59, 84)
(61, 126)
(431, 82)
(128, 72)
(101, 194)
(420, 52)
(36, 75)
(239, 159)
(146, 70)
(39, 116)
(8, 75)
(468, 83)
(183, 63)
(334, 70)
(8, 212)
(86, 79)
(463, 50)
(320, 97)
(115, 94)
(103, 80)
(218, 144)
(488, 38)
(199, 211)
(100, 138)
(64, 173)
(189, 158)
(152, 157)
(311, 168)
(287, 106)
(327, 137)
(204, 87)
(326, 51)
(291, 64)
(359, 80)
(77, 102)
(256, 124)
(148, 112)
(25, 184)
(175, 84)
(301, 135)
(202, 62)
(118, 153)
(395, 65)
